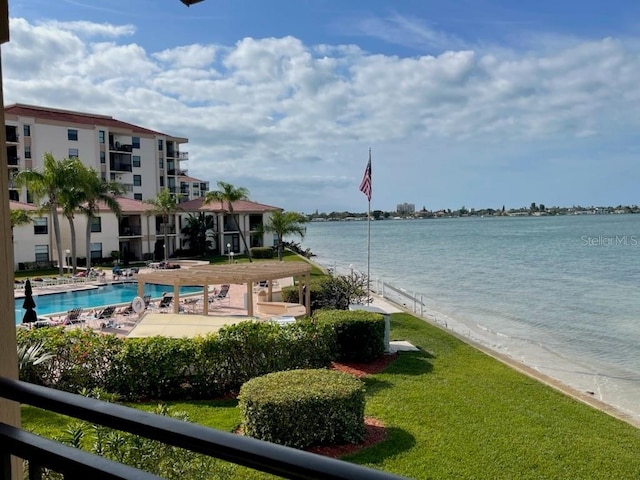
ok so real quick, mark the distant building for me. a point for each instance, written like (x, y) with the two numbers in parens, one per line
(406, 209)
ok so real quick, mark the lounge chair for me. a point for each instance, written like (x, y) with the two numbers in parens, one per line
(165, 302)
(222, 296)
(106, 312)
(73, 317)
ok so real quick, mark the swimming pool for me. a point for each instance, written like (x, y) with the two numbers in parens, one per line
(97, 297)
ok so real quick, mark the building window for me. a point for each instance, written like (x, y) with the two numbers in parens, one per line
(72, 134)
(137, 196)
(101, 136)
(136, 160)
(137, 180)
(103, 157)
(27, 151)
(162, 181)
(161, 163)
(42, 253)
(135, 142)
(96, 224)
(103, 176)
(160, 143)
(96, 251)
(40, 226)
(27, 130)
(73, 153)
(14, 195)
(29, 197)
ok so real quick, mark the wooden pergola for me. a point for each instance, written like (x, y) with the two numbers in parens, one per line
(237, 273)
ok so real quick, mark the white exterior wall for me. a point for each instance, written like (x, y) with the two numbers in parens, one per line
(24, 243)
(148, 167)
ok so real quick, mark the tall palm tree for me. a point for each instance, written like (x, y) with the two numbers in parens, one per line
(229, 194)
(19, 218)
(165, 204)
(97, 191)
(196, 228)
(48, 183)
(285, 223)
(71, 198)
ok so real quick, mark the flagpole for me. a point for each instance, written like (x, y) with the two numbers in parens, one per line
(369, 238)
(368, 249)
(366, 188)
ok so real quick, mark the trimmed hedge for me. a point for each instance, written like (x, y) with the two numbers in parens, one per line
(290, 294)
(359, 334)
(169, 368)
(301, 408)
(262, 252)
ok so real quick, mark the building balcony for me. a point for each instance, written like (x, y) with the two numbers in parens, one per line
(118, 147)
(169, 229)
(130, 231)
(42, 453)
(183, 156)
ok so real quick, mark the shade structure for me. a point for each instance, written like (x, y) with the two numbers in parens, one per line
(237, 273)
(29, 304)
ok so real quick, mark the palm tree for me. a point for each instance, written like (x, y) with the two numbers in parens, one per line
(196, 229)
(71, 198)
(98, 191)
(49, 182)
(165, 204)
(229, 194)
(19, 218)
(285, 223)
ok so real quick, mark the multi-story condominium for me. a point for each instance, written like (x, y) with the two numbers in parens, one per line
(406, 208)
(191, 188)
(144, 161)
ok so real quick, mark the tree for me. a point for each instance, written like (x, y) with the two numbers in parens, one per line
(229, 194)
(97, 191)
(48, 183)
(196, 229)
(165, 204)
(285, 223)
(19, 218)
(71, 197)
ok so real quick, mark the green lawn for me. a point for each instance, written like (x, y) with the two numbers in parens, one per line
(454, 412)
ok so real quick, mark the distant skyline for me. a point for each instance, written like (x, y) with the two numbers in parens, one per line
(480, 103)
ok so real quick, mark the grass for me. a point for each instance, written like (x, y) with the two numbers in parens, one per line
(454, 412)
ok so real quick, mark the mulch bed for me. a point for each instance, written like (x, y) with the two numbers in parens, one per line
(363, 369)
(375, 431)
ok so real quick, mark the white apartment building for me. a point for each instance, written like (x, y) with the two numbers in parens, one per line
(143, 160)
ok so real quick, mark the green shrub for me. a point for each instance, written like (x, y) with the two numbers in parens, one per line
(301, 408)
(359, 334)
(171, 368)
(290, 294)
(261, 252)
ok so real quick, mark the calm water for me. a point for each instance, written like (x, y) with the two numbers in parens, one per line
(558, 293)
(101, 296)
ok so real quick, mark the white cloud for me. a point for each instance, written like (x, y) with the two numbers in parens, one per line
(91, 29)
(294, 121)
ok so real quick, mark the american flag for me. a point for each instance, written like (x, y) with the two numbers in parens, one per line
(365, 185)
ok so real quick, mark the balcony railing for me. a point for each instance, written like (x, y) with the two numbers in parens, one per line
(183, 155)
(72, 463)
(134, 230)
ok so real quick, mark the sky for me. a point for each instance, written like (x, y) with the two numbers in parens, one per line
(475, 103)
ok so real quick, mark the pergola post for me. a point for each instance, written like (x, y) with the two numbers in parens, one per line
(250, 298)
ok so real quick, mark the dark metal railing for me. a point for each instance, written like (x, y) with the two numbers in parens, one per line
(249, 452)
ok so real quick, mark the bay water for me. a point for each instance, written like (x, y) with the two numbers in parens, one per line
(560, 294)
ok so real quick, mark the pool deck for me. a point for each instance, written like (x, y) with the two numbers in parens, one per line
(154, 321)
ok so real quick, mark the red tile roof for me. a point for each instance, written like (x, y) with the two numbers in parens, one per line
(21, 206)
(75, 117)
(241, 206)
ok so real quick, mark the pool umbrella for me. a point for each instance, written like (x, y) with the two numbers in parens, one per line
(28, 304)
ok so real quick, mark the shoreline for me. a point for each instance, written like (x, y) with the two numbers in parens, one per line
(527, 367)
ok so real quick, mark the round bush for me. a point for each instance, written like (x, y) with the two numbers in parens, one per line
(301, 408)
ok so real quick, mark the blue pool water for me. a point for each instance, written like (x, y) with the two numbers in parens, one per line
(103, 295)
